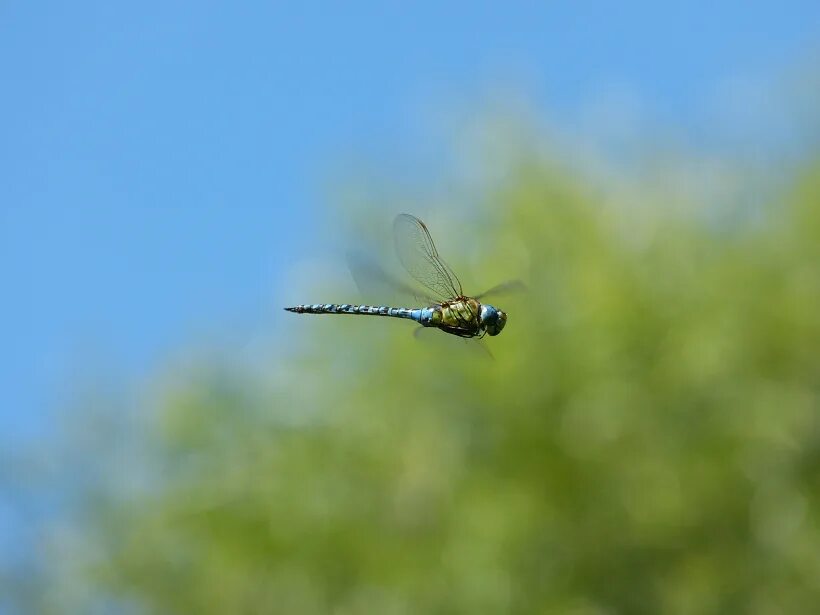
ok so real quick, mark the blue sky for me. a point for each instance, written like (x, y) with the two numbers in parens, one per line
(161, 162)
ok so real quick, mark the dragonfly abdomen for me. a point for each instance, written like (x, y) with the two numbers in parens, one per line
(416, 314)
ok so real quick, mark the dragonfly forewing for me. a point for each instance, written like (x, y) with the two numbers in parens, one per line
(419, 256)
(374, 282)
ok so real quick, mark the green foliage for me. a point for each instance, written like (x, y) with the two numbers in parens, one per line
(646, 438)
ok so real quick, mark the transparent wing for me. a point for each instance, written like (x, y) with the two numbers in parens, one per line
(376, 285)
(419, 256)
(505, 288)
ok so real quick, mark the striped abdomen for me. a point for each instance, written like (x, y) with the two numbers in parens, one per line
(416, 314)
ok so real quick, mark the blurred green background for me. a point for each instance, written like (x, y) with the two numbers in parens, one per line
(644, 439)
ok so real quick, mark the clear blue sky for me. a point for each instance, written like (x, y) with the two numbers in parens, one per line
(159, 162)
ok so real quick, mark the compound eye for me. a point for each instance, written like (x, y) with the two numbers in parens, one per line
(488, 315)
(494, 321)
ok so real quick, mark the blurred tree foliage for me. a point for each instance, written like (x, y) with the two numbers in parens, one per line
(645, 440)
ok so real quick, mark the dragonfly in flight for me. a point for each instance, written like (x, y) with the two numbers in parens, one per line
(449, 309)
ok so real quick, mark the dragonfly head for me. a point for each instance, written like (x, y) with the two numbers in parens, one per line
(492, 319)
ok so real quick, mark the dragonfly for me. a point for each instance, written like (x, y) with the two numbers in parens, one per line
(448, 308)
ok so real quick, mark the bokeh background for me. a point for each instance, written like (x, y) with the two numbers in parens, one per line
(646, 437)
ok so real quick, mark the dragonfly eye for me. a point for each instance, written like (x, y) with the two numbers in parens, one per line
(502, 321)
(492, 320)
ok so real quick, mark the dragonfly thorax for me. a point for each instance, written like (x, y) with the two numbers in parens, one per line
(465, 317)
